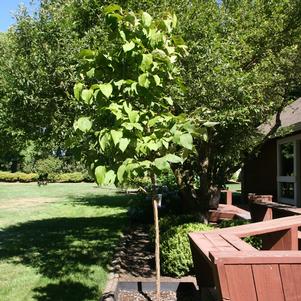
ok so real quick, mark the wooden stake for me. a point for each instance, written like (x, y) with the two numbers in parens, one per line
(157, 251)
(157, 241)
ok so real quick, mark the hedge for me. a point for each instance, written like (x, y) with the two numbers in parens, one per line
(6, 176)
(176, 255)
(73, 177)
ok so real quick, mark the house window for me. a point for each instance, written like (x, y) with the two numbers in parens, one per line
(287, 155)
(287, 190)
(288, 152)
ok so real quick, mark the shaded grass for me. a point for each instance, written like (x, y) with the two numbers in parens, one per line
(58, 250)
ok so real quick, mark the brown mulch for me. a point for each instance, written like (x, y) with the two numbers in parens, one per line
(135, 256)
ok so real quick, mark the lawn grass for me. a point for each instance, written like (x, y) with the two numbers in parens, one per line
(56, 241)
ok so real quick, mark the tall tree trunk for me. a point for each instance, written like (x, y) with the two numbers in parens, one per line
(157, 235)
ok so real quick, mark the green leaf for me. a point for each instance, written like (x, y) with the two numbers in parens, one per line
(155, 36)
(100, 174)
(120, 173)
(112, 8)
(91, 73)
(87, 53)
(152, 145)
(178, 40)
(116, 136)
(103, 141)
(168, 25)
(137, 126)
(84, 124)
(160, 55)
(186, 140)
(133, 116)
(157, 80)
(169, 100)
(173, 158)
(78, 90)
(110, 177)
(174, 20)
(210, 124)
(106, 89)
(87, 95)
(165, 144)
(119, 83)
(143, 80)
(161, 163)
(123, 144)
(128, 46)
(147, 60)
(154, 120)
(146, 19)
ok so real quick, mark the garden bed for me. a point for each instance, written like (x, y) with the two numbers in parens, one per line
(145, 291)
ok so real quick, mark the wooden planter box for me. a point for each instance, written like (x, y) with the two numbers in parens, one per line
(242, 273)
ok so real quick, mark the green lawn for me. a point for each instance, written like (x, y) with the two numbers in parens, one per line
(56, 241)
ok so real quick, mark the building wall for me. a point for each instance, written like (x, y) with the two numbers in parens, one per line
(260, 172)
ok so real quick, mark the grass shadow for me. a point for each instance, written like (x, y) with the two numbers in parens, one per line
(107, 201)
(59, 248)
(65, 291)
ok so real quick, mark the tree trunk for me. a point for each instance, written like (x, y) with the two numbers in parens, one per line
(201, 200)
(157, 235)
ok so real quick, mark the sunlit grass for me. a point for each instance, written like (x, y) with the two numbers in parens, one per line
(56, 241)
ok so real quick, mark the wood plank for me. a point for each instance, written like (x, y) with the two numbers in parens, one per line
(201, 243)
(264, 227)
(203, 268)
(267, 281)
(290, 275)
(258, 228)
(238, 243)
(240, 283)
(219, 242)
(221, 282)
(256, 257)
(281, 240)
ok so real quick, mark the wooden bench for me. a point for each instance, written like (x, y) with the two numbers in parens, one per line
(224, 261)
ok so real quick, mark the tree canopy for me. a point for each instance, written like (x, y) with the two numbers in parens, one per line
(243, 66)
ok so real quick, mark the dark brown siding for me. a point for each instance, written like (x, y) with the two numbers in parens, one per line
(260, 173)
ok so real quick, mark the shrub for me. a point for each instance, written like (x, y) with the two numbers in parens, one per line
(254, 241)
(175, 249)
(50, 165)
(169, 221)
(6, 176)
(71, 177)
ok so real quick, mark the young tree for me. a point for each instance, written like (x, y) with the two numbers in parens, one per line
(129, 123)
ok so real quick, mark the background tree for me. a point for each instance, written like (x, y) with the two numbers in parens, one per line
(244, 66)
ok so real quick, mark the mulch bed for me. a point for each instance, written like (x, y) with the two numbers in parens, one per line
(135, 255)
(134, 261)
(151, 296)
